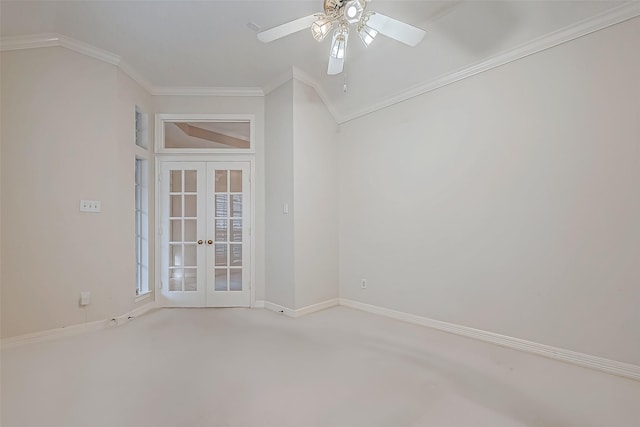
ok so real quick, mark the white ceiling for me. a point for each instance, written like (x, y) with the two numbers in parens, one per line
(209, 44)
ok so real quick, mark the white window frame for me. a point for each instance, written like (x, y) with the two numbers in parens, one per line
(143, 287)
(141, 128)
(160, 120)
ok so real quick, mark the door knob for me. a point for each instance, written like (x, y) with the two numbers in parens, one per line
(200, 242)
(209, 242)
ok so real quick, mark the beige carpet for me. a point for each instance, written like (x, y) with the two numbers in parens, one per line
(338, 367)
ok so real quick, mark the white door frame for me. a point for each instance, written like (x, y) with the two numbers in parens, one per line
(161, 158)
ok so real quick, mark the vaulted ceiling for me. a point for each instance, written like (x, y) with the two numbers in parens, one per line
(213, 43)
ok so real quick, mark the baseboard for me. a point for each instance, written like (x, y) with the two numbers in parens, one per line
(299, 312)
(278, 308)
(622, 369)
(317, 307)
(75, 329)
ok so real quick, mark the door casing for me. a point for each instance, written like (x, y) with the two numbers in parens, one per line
(161, 158)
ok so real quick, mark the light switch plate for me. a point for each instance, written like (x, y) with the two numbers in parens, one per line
(85, 298)
(89, 205)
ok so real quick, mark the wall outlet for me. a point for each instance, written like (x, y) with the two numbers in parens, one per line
(363, 283)
(89, 205)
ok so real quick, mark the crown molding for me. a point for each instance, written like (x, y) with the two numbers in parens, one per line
(29, 42)
(616, 15)
(301, 76)
(624, 12)
(206, 91)
(278, 81)
(53, 39)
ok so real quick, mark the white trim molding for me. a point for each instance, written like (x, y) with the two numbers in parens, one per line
(616, 15)
(68, 331)
(622, 369)
(299, 312)
(294, 73)
(625, 11)
(206, 91)
(54, 39)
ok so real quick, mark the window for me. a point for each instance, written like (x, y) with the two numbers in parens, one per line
(204, 133)
(141, 128)
(142, 227)
(141, 203)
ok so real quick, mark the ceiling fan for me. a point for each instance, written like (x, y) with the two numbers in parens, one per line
(341, 14)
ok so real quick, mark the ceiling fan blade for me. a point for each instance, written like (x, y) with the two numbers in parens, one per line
(397, 30)
(335, 65)
(283, 30)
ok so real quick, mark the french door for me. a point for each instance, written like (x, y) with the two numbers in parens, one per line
(205, 234)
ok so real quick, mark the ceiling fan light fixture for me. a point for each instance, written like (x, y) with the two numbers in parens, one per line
(353, 11)
(321, 27)
(339, 42)
(366, 33)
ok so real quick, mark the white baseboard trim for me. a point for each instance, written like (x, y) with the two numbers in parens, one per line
(278, 308)
(75, 329)
(622, 369)
(299, 312)
(317, 307)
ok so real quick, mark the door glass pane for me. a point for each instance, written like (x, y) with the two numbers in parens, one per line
(176, 206)
(235, 279)
(236, 205)
(175, 279)
(220, 279)
(190, 255)
(222, 205)
(236, 255)
(236, 230)
(236, 181)
(190, 280)
(227, 220)
(190, 230)
(190, 181)
(221, 230)
(221, 254)
(176, 231)
(175, 255)
(176, 181)
(190, 206)
(221, 181)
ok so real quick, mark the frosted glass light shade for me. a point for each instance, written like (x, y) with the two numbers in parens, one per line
(321, 27)
(367, 34)
(339, 43)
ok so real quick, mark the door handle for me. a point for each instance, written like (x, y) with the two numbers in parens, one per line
(209, 242)
(200, 242)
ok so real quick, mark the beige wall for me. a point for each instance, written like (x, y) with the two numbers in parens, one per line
(66, 135)
(315, 191)
(279, 188)
(508, 201)
(302, 258)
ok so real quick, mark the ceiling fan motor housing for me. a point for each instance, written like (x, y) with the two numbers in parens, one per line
(332, 7)
(351, 10)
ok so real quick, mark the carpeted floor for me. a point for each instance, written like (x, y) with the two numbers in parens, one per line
(337, 367)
